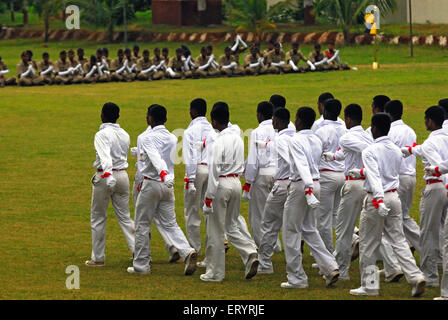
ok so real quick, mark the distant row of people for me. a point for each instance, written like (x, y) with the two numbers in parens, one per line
(130, 65)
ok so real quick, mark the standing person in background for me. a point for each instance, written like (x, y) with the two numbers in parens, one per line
(110, 182)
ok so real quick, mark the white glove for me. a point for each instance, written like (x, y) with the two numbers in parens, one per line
(328, 156)
(430, 171)
(134, 152)
(355, 173)
(246, 196)
(169, 181)
(383, 210)
(111, 182)
(207, 209)
(191, 188)
(406, 152)
(312, 201)
(260, 144)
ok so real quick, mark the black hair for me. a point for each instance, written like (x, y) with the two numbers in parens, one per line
(111, 112)
(127, 51)
(120, 51)
(179, 50)
(436, 114)
(200, 105)
(283, 115)
(186, 50)
(29, 52)
(80, 50)
(105, 50)
(266, 109)
(295, 43)
(93, 57)
(394, 108)
(324, 97)
(333, 108)
(45, 54)
(380, 101)
(146, 51)
(165, 49)
(307, 115)
(381, 121)
(63, 52)
(354, 112)
(444, 104)
(317, 45)
(136, 47)
(278, 101)
(157, 113)
(220, 113)
(99, 50)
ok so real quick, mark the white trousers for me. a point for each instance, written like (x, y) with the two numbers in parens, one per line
(272, 222)
(372, 227)
(156, 200)
(406, 194)
(101, 194)
(162, 232)
(192, 205)
(432, 204)
(444, 285)
(331, 183)
(298, 221)
(225, 220)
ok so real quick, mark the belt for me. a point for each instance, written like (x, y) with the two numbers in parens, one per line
(283, 179)
(350, 178)
(298, 180)
(229, 176)
(202, 164)
(99, 170)
(326, 170)
(146, 178)
(433, 181)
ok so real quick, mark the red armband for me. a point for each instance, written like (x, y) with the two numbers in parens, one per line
(105, 175)
(376, 203)
(246, 187)
(362, 172)
(309, 191)
(437, 174)
(162, 175)
(187, 182)
(208, 202)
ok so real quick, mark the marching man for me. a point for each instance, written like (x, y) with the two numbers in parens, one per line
(381, 213)
(110, 182)
(434, 197)
(156, 196)
(305, 150)
(196, 170)
(222, 200)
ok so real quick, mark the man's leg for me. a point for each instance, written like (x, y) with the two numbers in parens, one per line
(348, 212)
(272, 223)
(120, 202)
(444, 284)
(431, 206)
(98, 217)
(406, 193)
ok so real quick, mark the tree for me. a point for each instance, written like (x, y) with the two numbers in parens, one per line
(46, 9)
(253, 16)
(308, 18)
(25, 12)
(348, 13)
(107, 13)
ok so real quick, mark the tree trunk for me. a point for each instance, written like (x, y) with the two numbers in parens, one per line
(25, 12)
(11, 6)
(47, 27)
(110, 32)
(346, 32)
(308, 16)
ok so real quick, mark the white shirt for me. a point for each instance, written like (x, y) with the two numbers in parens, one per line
(445, 124)
(351, 146)
(226, 157)
(403, 135)
(330, 133)
(282, 150)
(198, 130)
(292, 126)
(319, 122)
(257, 157)
(159, 147)
(305, 150)
(434, 150)
(111, 146)
(382, 161)
(140, 153)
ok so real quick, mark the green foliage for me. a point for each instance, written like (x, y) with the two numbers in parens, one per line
(252, 15)
(286, 11)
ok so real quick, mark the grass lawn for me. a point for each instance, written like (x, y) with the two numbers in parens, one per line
(46, 165)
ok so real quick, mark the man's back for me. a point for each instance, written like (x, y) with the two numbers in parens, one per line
(403, 135)
(330, 133)
(111, 141)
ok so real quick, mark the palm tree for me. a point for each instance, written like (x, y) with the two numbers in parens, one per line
(348, 13)
(47, 9)
(253, 15)
(107, 13)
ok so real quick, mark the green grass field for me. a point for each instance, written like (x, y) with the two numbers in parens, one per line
(46, 164)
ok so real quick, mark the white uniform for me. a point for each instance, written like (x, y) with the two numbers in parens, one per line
(155, 199)
(273, 210)
(226, 163)
(403, 135)
(305, 150)
(433, 203)
(331, 180)
(259, 173)
(320, 122)
(138, 179)
(196, 172)
(382, 161)
(111, 145)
